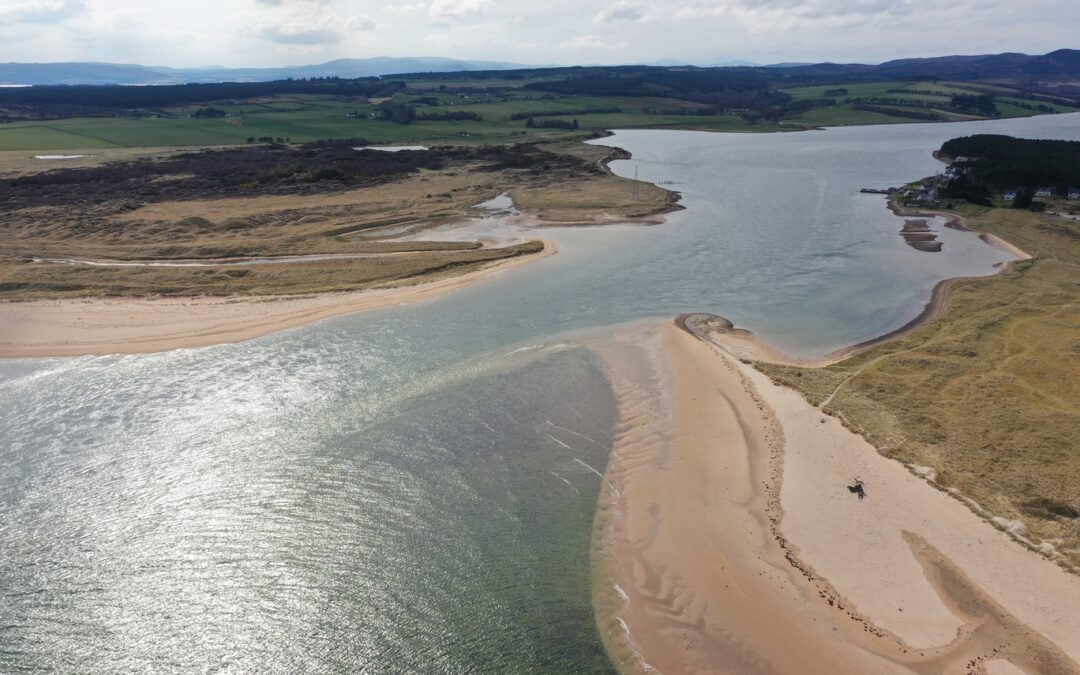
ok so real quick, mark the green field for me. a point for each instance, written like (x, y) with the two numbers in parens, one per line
(853, 90)
(301, 118)
(841, 116)
(909, 97)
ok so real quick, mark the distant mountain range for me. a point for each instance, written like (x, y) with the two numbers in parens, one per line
(1062, 64)
(114, 73)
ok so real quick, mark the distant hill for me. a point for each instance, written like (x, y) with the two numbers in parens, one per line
(113, 73)
(1063, 64)
(79, 73)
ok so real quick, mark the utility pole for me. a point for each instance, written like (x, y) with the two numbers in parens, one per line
(635, 181)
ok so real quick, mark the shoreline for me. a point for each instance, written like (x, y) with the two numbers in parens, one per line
(729, 535)
(743, 344)
(98, 327)
(939, 295)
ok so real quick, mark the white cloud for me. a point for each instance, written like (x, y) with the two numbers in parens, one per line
(42, 11)
(309, 23)
(361, 23)
(591, 42)
(781, 15)
(300, 34)
(406, 8)
(294, 3)
(623, 10)
(453, 9)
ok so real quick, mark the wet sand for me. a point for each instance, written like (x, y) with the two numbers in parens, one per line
(139, 325)
(729, 541)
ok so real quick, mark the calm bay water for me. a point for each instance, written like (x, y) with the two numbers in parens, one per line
(412, 490)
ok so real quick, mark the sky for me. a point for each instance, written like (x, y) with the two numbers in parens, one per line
(247, 33)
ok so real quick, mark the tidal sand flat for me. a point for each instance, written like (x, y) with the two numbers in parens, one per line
(732, 540)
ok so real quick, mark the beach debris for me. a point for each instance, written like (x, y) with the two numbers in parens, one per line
(858, 488)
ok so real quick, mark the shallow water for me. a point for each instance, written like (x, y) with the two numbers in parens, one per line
(412, 489)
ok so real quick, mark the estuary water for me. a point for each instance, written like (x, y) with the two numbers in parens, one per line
(412, 490)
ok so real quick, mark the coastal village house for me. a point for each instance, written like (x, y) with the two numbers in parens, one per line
(1074, 193)
(1043, 191)
(1009, 195)
(922, 193)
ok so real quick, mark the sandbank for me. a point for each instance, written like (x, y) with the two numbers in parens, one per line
(96, 326)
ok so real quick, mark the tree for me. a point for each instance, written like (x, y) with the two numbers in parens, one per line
(1024, 198)
(398, 112)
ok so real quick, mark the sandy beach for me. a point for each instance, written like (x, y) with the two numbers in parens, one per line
(137, 325)
(729, 540)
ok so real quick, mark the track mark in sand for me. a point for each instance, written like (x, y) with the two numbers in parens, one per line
(990, 632)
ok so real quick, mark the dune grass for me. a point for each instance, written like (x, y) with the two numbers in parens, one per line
(988, 396)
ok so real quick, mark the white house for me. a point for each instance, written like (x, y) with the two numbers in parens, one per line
(1009, 195)
(1043, 191)
(1074, 193)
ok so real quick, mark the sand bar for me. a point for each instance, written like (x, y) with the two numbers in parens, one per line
(729, 541)
(139, 325)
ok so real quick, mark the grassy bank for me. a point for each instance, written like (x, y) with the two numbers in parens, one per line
(987, 398)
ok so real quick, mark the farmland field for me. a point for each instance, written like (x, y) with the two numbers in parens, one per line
(301, 118)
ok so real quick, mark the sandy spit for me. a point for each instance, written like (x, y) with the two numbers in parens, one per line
(139, 325)
(729, 541)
